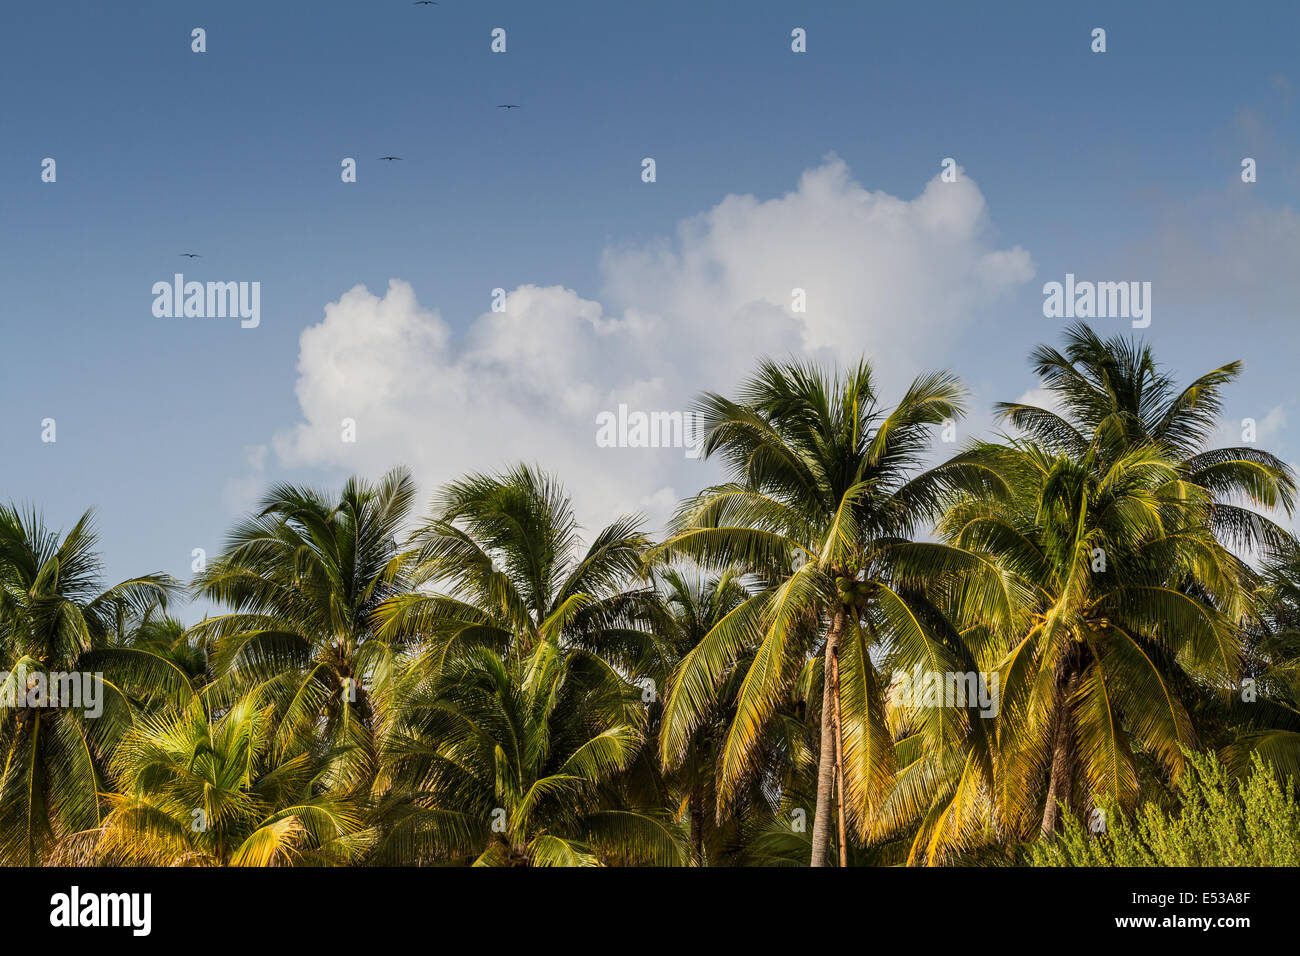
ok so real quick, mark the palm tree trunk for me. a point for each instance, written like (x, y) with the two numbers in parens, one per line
(1060, 787)
(821, 835)
(697, 827)
(839, 757)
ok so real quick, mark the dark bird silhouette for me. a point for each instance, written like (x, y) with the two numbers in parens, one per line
(507, 106)
(191, 255)
(390, 157)
(426, 3)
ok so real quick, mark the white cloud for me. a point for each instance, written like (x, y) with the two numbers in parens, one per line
(525, 385)
(888, 277)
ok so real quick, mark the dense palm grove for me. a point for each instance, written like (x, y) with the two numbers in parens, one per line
(484, 682)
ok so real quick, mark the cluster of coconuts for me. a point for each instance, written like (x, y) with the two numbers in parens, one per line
(852, 591)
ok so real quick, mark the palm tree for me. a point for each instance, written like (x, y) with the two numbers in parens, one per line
(304, 578)
(693, 603)
(822, 504)
(500, 563)
(500, 584)
(1111, 598)
(1275, 662)
(203, 791)
(510, 761)
(55, 618)
(1113, 396)
(1264, 717)
(169, 639)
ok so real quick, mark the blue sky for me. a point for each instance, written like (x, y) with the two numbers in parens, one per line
(1116, 166)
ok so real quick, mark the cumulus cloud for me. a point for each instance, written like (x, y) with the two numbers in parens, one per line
(892, 278)
(884, 276)
(523, 385)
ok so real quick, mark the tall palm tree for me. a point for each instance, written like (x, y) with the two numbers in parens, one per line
(1113, 396)
(824, 498)
(198, 790)
(56, 618)
(499, 572)
(304, 578)
(1111, 598)
(511, 761)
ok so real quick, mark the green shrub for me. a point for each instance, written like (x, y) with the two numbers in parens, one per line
(1221, 821)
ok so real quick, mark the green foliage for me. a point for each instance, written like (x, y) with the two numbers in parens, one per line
(1219, 820)
(488, 684)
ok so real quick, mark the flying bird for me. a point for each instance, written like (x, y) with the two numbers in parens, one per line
(390, 157)
(191, 255)
(426, 3)
(507, 106)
